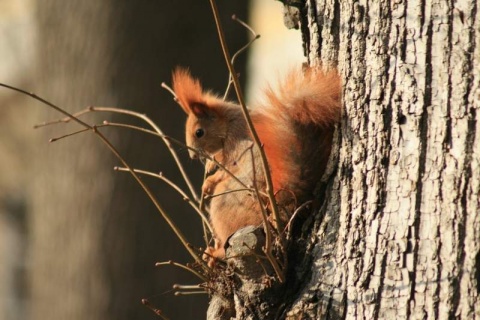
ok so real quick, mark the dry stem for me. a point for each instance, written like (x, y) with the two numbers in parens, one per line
(179, 265)
(155, 310)
(239, 51)
(268, 233)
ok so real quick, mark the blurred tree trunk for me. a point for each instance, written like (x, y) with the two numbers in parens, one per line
(94, 235)
(399, 235)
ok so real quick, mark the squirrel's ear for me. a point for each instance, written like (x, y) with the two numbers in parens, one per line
(199, 110)
(188, 90)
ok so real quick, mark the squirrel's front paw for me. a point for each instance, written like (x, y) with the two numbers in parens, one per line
(207, 187)
(211, 255)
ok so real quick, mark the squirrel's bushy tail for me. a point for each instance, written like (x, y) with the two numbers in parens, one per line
(309, 97)
(296, 127)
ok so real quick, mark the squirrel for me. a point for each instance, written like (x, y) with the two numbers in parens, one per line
(295, 125)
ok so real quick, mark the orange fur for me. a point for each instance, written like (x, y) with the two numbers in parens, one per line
(295, 126)
(311, 98)
(277, 148)
(187, 89)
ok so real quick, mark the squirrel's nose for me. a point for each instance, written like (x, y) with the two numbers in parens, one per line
(193, 154)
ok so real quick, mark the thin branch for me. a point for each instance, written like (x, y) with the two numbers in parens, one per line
(137, 128)
(62, 120)
(179, 265)
(202, 208)
(70, 134)
(238, 90)
(208, 197)
(268, 232)
(203, 195)
(294, 215)
(187, 287)
(245, 25)
(166, 87)
(239, 51)
(155, 310)
(188, 293)
(51, 105)
(163, 136)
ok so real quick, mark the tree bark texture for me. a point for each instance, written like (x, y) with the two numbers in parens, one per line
(399, 236)
(94, 235)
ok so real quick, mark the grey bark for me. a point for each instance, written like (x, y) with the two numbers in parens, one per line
(94, 235)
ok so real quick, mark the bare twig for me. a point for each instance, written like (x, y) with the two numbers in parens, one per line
(179, 265)
(129, 126)
(238, 90)
(294, 215)
(155, 310)
(208, 197)
(187, 287)
(245, 25)
(166, 87)
(70, 134)
(202, 208)
(239, 51)
(268, 232)
(113, 124)
(63, 120)
(188, 293)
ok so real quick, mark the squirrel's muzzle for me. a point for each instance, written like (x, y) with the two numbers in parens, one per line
(193, 154)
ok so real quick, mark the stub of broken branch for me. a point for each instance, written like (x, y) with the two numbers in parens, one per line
(252, 277)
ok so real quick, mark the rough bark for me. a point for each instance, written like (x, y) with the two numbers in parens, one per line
(400, 233)
(94, 235)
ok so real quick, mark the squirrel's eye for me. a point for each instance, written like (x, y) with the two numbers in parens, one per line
(199, 133)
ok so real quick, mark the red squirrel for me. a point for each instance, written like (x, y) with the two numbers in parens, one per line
(295, 125)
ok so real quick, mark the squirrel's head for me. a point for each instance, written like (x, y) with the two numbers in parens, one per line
(206, 127)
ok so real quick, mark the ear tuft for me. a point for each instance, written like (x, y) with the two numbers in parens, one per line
(188, 89)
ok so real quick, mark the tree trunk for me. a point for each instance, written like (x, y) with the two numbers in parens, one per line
(95, 236)
(399, 236)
